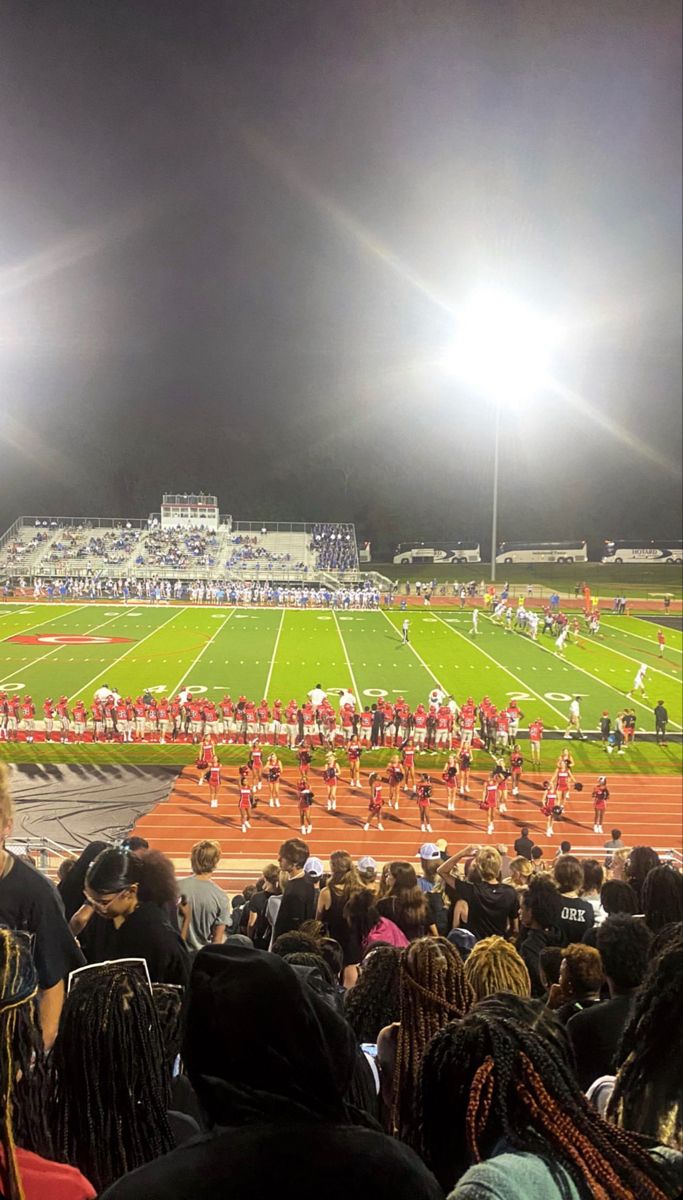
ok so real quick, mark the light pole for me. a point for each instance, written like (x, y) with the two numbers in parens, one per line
(494, 510)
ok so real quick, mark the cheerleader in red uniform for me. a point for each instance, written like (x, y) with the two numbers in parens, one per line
(561, 781)
(331, 774)
(214, 780)
(244, 802)
(500, 773)
(489, 800)
(305, 802)
(464, 765)
(409, 765)
(273, 773)
(305, 759)
(551, 807)
(450, 778)
(600, 798)
(395, 777)
(256, 764)
(353, 751)
(424, 801)
(376, 802)
(516, 762)
(204, 759)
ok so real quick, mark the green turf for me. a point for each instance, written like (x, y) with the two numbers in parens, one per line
(631, 579)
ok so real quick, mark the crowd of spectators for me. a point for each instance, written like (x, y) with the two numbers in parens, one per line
(178, 549)
(393, 1033)
(334, 546)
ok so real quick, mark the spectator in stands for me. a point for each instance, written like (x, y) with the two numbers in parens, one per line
(433, 991)
(277, 1104)
(593, 876)
(139, 928)
(484, 905)
(30, 903)
(375, 1000)
(71, 888)
(523, 844)
(549, 963)
(577, 916)
(503, 1076)
(404, 903)
(299, 896)
(579, 982)
(110, 1034)
(521, 871)
(647, 1095)
(540, 926)
(495, 966)
(207, 903)
(259, 928)
(615, 842)
(624, 944)
(662, 898)
(344, 880)
(640, 861)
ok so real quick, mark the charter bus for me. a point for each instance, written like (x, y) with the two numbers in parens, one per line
(437, 552)
(543, 552)
(642, 551)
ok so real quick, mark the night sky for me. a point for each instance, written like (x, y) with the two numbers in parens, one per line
(234, 235)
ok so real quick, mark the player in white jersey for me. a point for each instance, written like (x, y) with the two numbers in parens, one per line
(560, 641)
(532, 621)
(475, 622)
(639, 681)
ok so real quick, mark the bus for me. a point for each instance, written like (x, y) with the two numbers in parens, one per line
(543, 552)
(635, 550)
(437, 552)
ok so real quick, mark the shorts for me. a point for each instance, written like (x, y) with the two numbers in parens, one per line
(466, 736)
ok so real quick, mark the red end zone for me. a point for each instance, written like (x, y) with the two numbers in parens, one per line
(57, 639)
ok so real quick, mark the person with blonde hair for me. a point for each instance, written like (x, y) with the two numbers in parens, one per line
(521, 870)
(486, 906)
(494, 965)
(206, 902)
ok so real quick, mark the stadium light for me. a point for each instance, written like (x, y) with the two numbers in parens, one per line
(503, 350)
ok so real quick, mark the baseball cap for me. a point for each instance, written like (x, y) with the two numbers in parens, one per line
(313, 866)
(429, 851)
(366, 863)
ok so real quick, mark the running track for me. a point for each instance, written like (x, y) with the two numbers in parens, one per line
(646, 808)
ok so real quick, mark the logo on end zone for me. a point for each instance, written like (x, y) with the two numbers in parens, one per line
(64, 639)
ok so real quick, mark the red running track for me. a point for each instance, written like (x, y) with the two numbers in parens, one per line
(646, 808)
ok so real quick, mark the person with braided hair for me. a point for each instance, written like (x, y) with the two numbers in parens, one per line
(375, 1000)
(433, 990)
(494, 965)
(24, 1089)
(503, 1075)
(110, 1035)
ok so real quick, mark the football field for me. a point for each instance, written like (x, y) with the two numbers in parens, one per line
(53, 650)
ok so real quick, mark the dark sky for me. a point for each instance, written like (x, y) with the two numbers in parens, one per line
(233, 237)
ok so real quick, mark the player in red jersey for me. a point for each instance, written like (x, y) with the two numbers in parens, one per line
(276, 722)
(256, 764)
(444, 726)
(661, 642)
(423, 795)
(305, 802)
(48, 717)
(292, 721)
(97, 720)
(600, 798)
(464, 765)
(308, 714)
(80, 720)
(365, 726)
(64, 718)
(140, 714)
(516, 763)
(376, 802)
(3, 716)
(466, 721)
(420, 725)
(331, 774)
(273, 774)
(28, 718)
(251, 720)
(214, 774)
(163, 718)
(450, 778)
(395, 778)
(353, 751)
(535, 739)
(408, 757)
(347, 717)
(263, 719)
(244, 802)
(489, 800)
(551, 808)
(123, 724)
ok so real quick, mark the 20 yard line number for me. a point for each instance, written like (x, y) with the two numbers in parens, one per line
(558, 697)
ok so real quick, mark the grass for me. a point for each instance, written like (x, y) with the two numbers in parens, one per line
(631, 579)
(284, 653)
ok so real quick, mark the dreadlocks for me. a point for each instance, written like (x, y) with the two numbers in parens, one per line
(23, 1088)
(433, 990)
(111, 1076)
(374, 1001)
(505, 1071)
(646, 1094)
(495, 966)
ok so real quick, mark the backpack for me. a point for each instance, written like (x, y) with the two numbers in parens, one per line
(386, 932)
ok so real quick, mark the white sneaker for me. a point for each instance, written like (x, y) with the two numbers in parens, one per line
(515, 791)
(467, 791)
(214, 804)
(277, 803)
(366, 827)
(260, 786)
(502, 808)
(271, 804)
(397, 806)
(244, 829)
(489, 829)
(429, 829)
(248, 824)
(567, 737)
(303, 828)
(548, 832)
(595, 829)
(380, 827)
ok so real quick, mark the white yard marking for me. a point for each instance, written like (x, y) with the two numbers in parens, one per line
(272, 661)
(64, 647)
(125, 654)
(348, 661)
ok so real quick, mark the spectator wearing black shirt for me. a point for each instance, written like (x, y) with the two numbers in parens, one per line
(540, 921)
(577, 916)
(486, 906)
(299, 897)
(30, 904)
(258, 926)
(524, 845)
(661, 721)
(624, 944)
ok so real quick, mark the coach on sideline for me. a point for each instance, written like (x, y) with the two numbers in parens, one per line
(661, 721)
(30, 905)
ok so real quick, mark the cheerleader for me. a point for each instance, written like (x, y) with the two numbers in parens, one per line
(256, 764)
(562, 779)
(305, 758)
(551, 807)
(516, 761)
(214, 780)
(375, 805)
(502, 775)
(489, 800)
(600, 798)
(245, 800)
(273, 773)
(450, 778)
(331, 774)
(395, 777)
(353, 752)
(464, 764)
(305, 802)
(424, 800)
(205, 757)
(408, 757)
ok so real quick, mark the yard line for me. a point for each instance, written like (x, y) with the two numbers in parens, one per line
(348, 661)
(203, 650)
(630, 633)
(135, 646)
(418, 657)
(629, 658)
(48, 621)
(272, 661)
(525, 686)
(29, 666)
(603, 682)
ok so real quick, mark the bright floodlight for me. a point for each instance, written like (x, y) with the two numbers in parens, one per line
(502, 347)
